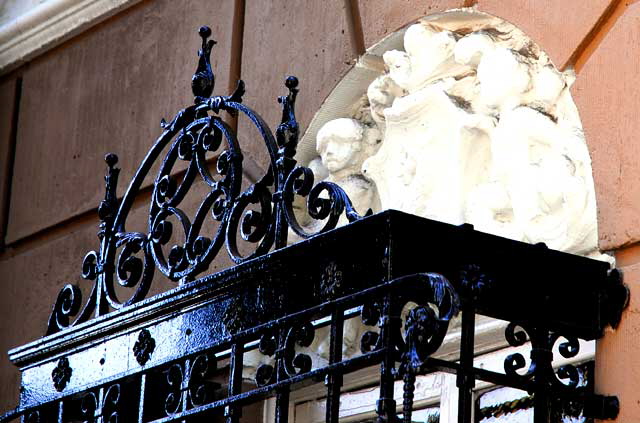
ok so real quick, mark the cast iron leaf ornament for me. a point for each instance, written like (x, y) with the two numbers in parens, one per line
(144, 346)
(61, 374)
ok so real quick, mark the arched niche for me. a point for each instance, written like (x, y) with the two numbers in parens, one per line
(461, 117)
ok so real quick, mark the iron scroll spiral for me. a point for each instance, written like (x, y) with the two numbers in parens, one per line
(540, 369)
(261, 215)
(427, 323)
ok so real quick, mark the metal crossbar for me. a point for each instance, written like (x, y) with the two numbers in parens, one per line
(180, 355)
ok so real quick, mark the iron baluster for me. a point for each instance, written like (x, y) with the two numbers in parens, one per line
(409, 387)
(334, 379)
(389, 326)
(472, 284)
(282, 405)
(541, 359)
(232, 412)
(143, 392)
(282, 394)
(465, 380)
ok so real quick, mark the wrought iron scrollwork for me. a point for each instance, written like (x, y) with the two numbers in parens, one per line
(563, 388)
(289, 363)
(427, 324)
(540, 369)
(187, 383)
(103, 405)
(265, 374)
(177, 245)
(370, 314)
(425, 328)
(298, 363)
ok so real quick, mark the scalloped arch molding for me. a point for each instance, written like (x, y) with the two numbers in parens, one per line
(29, 27)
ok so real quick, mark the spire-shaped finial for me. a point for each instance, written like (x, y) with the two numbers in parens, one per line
(203, 80)
(108, 206)
(287, 131)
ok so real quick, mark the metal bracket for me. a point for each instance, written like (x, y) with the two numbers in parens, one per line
(615, 298)
(601, 407)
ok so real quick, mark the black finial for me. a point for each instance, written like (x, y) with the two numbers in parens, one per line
(288, 130)
(203, 80)
(292, 83)
(111, 159)
(108, 206)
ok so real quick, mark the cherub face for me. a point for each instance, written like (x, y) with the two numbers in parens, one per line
(339, 153)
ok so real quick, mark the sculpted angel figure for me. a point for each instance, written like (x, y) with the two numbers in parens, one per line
(344, 144)
(478, 126)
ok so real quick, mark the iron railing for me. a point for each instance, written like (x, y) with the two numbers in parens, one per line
(179, 355)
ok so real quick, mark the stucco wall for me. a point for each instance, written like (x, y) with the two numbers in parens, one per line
(107, 89)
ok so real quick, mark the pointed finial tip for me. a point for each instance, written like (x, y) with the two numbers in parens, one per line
(111, 159)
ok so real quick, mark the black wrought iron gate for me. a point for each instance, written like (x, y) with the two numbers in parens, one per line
(178, 356)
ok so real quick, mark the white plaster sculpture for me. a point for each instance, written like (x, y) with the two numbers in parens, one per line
(471, 123)
(477, 126)
(343, 145)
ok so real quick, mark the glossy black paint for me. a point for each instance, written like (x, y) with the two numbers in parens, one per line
(144, 346)
(178, 356)
(61, 374)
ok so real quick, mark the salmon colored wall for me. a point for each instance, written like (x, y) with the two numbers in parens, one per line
(107, 89)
